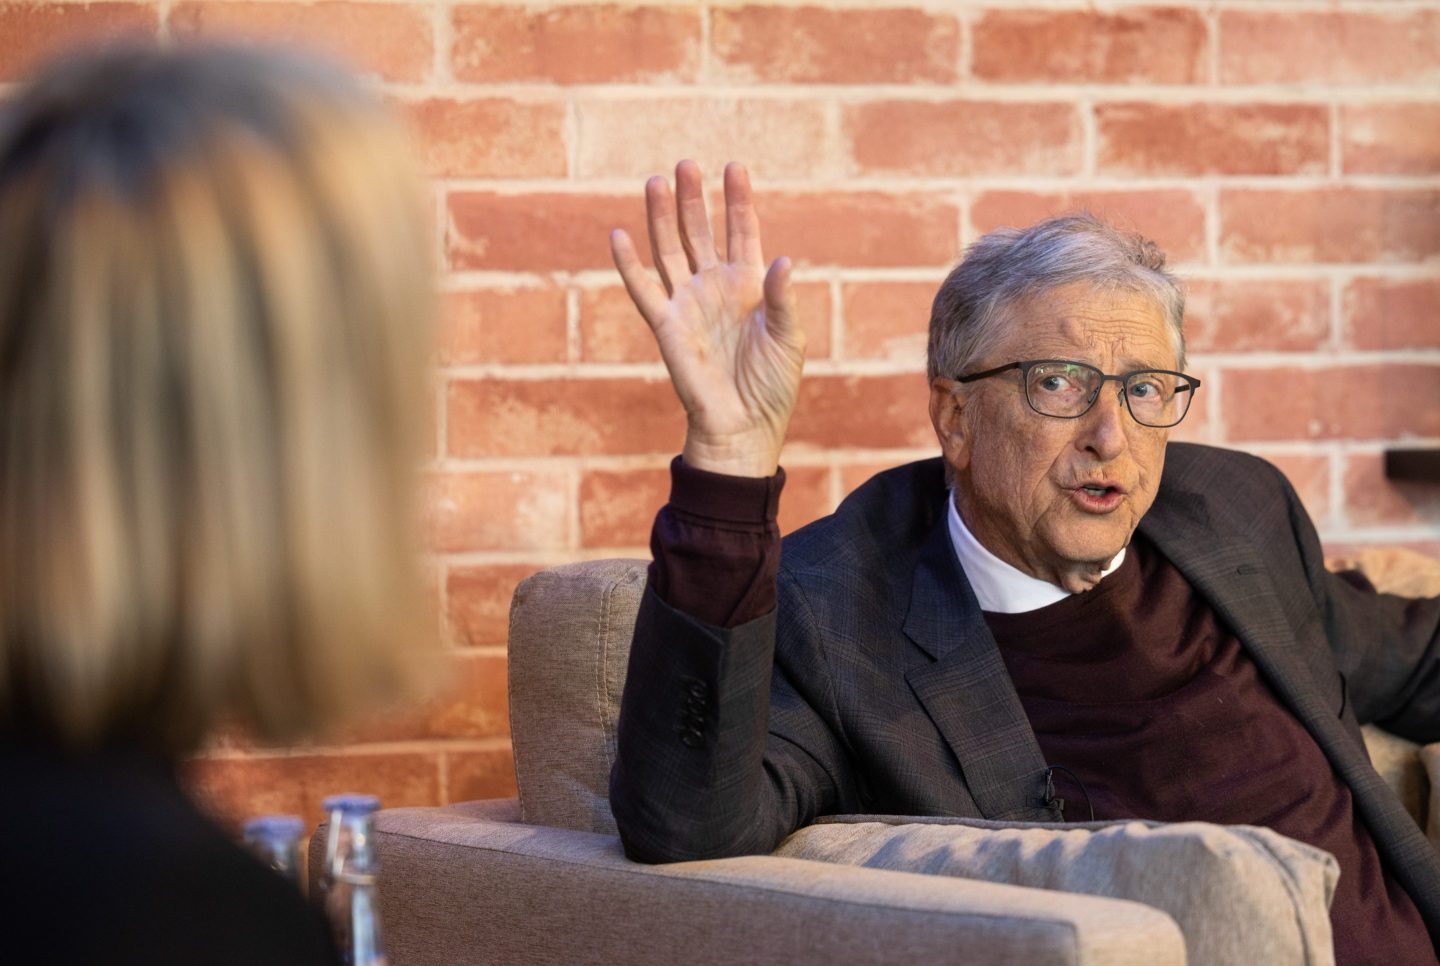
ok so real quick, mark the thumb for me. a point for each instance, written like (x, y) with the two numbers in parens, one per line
(781, 315)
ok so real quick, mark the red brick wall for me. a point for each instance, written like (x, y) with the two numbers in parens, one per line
(1288, 157)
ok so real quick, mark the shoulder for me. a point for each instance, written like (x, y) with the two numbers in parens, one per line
(1224, 480)
(1196, 464)
(159, 881)
(855, 566)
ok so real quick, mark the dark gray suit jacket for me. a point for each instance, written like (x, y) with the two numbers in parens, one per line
(875, 685)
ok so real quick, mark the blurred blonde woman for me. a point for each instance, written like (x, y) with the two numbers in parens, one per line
(214, 297)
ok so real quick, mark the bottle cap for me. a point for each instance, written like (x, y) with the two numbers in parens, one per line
(274, 827)
(352, 803)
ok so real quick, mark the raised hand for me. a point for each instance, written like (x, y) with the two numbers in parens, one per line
(727, 328)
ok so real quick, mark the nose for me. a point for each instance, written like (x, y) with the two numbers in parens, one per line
(1103, 430)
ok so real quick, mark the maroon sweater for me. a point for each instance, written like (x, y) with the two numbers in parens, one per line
(1138, 689)
(1135, 686)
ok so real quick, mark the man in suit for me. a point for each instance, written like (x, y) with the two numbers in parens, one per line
(1062, 615)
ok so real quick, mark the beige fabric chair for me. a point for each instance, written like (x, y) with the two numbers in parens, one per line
(543, 880)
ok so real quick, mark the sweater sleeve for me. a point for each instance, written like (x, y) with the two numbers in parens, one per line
(716, 545)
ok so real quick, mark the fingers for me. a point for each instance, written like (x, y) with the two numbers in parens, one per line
(742, 225)
(694, 222)
(644, 291)
(782, 319)
(670, 258)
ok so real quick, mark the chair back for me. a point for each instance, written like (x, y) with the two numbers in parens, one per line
(570, 630)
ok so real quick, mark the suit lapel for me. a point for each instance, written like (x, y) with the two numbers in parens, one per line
(1233, 579)
(968, 693)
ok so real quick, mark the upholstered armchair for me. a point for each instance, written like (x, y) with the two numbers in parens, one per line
(543, 879)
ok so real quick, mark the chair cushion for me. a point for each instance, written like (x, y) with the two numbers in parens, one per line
(570, 630)
(1240, 894)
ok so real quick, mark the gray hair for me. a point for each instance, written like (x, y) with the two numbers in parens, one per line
(1009, 265)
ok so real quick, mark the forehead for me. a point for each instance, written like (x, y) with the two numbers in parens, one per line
(1110, 329)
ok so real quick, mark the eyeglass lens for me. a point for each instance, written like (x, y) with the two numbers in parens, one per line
(1069, 389)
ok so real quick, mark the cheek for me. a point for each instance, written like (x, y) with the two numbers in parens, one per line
(1151, 461)
(1017, 474)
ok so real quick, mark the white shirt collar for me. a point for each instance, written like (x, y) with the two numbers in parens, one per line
(999, 587)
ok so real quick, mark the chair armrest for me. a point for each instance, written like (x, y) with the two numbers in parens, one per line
(1398, 761)
(1430, 755)
(457, 887)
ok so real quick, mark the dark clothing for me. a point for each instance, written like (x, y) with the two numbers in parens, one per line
(107, 861)
(715, 546)
(1140, 690)
(875, 685)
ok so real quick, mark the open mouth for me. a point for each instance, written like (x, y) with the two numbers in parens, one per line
(1098, 497)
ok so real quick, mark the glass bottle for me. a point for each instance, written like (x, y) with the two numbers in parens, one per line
(275, 840)
(348, 879)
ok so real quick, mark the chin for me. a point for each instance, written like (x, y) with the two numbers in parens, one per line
(1097, 553)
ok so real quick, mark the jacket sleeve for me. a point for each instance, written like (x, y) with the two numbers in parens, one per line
(721, 749)
(1387, 647)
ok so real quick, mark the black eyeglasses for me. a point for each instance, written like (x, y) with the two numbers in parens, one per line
(1066, 390)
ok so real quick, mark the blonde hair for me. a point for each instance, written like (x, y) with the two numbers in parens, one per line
(214, 306)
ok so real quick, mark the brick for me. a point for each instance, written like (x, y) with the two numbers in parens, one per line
(854, 475)
(964, 138)
(1341, 402)
(496, 511)
(869, 229)
(1309, 474)
(1372, 500)
(477, 775)
(1330, 46)
(811, 45)
(1154, 45)
(1243, 315)
(1383, 313)
(887, 320)
(576, 44)
(573, 417)
(491, 137)
(1207, 138)
(233, 789)
(478, 598)
(386, 39)
(806, 497)
(862, 412)
(1329, 225)
(1399, 138)
(34, 32)
(470, 701)
(1173, 218)
(504, 325)
(776, 138)
(813, 302)
(617, 507)
(611, 329)
(539, 232)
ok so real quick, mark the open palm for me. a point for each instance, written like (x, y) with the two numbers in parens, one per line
(726, 328)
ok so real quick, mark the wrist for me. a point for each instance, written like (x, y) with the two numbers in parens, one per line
(741, 454)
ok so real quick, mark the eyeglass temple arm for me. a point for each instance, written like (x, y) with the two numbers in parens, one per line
(987, 373)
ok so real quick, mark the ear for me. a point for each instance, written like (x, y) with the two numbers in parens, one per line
(948, 400)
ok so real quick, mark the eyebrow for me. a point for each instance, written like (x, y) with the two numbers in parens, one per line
(1127, 364)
